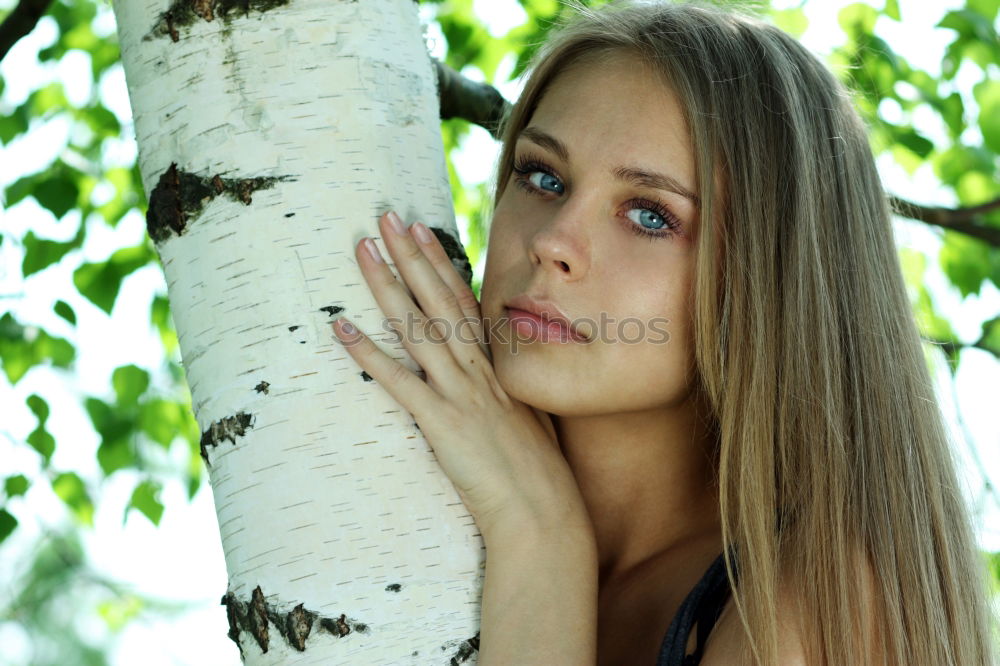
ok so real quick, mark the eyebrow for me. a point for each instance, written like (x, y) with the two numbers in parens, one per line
(632, 175)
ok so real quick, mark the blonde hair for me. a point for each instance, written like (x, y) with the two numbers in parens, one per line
(831, 452)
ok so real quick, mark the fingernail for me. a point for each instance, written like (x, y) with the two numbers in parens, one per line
(373, 251)
(347, 327)
(422, 233)
(396, 223)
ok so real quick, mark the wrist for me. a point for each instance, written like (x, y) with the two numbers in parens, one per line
(533, 531)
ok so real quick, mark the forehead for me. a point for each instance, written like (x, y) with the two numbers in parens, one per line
(616, 103)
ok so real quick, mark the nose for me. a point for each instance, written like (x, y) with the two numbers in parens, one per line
(561, 245)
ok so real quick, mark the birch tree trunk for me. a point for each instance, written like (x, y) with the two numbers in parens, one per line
(272, 134)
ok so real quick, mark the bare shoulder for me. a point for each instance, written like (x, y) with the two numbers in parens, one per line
(727, 643)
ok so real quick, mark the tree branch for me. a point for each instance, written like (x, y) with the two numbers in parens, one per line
(969, 221)
(482, 104)
(20, 21)
(479, 103)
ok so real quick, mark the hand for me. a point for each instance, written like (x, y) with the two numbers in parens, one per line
(501, 454)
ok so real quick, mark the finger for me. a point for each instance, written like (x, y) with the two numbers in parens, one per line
(466, 298)
(402, 384)
(404, 316)
(437, 299)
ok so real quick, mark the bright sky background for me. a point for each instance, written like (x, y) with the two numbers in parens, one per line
(182, 559)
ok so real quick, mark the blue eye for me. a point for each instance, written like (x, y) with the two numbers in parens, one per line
(546, 182)
(538, 176)
(644, 212)
(647, 217)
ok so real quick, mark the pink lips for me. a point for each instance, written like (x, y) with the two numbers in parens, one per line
(532, 327)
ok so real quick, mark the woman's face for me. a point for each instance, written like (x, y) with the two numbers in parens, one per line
(606, 157)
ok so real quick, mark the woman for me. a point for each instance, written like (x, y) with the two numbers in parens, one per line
(772, 472)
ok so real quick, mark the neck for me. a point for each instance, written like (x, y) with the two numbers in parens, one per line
(646, 478)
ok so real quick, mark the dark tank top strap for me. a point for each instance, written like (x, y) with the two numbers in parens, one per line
(703, 605)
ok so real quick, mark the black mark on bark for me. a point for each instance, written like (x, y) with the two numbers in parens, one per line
(365, 376)
(256, 616)
(394, 587)
(465, 650)
(183, 13)
(261, 387)
(289, 214)
(237, 617)
(332, 309)
(456, 253)
(294, 626)
(340, 627)
(292, 328)
(229, 428)
(179, 196)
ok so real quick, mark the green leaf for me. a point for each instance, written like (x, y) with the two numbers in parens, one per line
(793, 21)
(40, 253)
(162, 420)
(22, 347)
(159, 315)
(48, 100)
(16, 485)
(913, 265)
(7, 524)
(892, 9)
(976, 187)
(130, 382)
(105, 54)
(56, 188)
(952, 164)
(969, 24)
(917, 144)
(146, 498)
(930, 323)
(116, 429)
(57, 350)
(952, 110)
(58, 195)
(102, 121)
(100, 282)
(113, 455)
(990, 339)
(14, 124)
(119, 611)
(988, 9)
(19, 189)
(71, 489)
(39, 438)
(63, 309)
(41, 441)
(857, 18)
(987, 94)
(966, 262)
(38, 407)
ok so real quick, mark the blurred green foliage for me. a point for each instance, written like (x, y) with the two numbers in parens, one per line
(146, 411)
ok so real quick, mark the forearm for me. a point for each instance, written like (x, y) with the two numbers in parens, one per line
(539, 599)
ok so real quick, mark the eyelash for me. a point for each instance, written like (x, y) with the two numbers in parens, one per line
(526, 165)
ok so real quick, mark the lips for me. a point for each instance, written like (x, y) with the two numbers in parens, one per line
(547, 312)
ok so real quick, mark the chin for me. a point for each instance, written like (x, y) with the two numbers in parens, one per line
(535, 388)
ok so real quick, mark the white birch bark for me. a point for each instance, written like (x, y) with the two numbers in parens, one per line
(330, 498)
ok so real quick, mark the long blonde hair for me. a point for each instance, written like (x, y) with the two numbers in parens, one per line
(831, 451)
